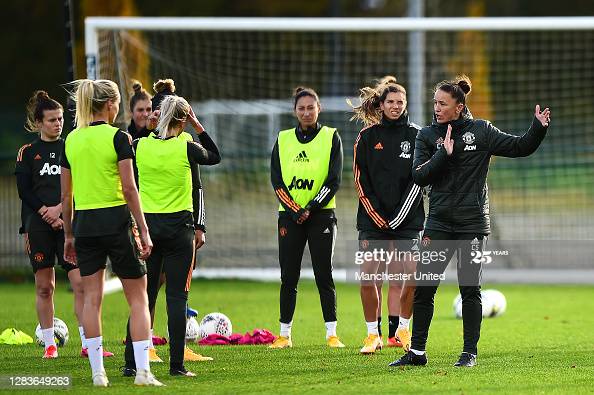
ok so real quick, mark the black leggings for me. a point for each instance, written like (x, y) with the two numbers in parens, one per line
(319, 231)
(469, 279)
(174, 257)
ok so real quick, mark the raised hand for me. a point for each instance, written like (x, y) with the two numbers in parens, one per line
(448, 143)
(544, 117)
(195, 122)
(153, 120)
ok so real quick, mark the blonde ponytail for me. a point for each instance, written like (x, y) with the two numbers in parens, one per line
(90, 97)
(174, 111)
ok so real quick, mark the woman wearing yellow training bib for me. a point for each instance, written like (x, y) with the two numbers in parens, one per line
(305, 171)
(97, 176)
(164, 166)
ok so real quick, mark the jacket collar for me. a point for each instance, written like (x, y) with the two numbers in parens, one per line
(401, 121)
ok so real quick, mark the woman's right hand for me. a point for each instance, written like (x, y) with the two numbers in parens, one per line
(69, 251)
(448, 143)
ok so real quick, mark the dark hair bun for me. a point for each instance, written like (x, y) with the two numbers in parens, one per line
(41, 95)
(464, 84)
(164, 85)
(136, 86)
(298, 90)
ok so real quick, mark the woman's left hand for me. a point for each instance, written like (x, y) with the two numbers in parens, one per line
(199, 238)
(195, 122)
(544, 117)
(153, 120)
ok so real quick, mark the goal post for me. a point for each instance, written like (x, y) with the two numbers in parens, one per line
(238, 73)
(94, 24)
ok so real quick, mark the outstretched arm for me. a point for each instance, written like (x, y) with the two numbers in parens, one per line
(504, 144)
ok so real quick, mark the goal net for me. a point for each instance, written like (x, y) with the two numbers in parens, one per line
(239, 74)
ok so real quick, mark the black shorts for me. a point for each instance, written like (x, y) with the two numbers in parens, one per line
(92, 253)
(387, 255)
(44, 247)
(388, 235)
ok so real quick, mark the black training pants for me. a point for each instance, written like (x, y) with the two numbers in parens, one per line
(443, 245)
(319, 231)
(174, 257)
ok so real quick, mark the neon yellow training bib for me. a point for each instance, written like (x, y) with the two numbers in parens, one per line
(305, 166)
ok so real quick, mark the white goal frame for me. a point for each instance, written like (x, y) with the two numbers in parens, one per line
(416, 52)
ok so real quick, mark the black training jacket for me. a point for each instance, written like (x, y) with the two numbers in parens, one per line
(458, 197)
(388, 195)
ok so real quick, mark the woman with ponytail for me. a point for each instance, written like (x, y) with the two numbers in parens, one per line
(38, 182)
(97, 174)
(164, 164)
(452, 156)
(390, 213)
(155, 279)
(140, 108)
(305, 172)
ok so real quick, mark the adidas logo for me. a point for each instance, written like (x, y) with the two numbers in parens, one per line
(301, 157)
(326, 231)
(37, 157)
(379, 146)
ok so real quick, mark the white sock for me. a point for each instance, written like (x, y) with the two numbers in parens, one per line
(141, 354)
(151, 345)
(95, 347)
(83, 341)
(372, 328)
(417, 352)
(285, 329)
(404, 323)
(330, 329)
(48, 337)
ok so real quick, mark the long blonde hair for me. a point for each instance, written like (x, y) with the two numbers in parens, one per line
(90, 97)
(174, 111)
(369, 110)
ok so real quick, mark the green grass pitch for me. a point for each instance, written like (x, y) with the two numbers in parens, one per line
(543, 344)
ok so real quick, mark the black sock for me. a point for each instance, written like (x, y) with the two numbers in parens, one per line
(379, 325)
(392, 325)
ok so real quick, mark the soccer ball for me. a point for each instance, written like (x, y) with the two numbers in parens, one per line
(215, 323)
(494, 303)
(192, 330)
(60, 333)
(497, 300)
